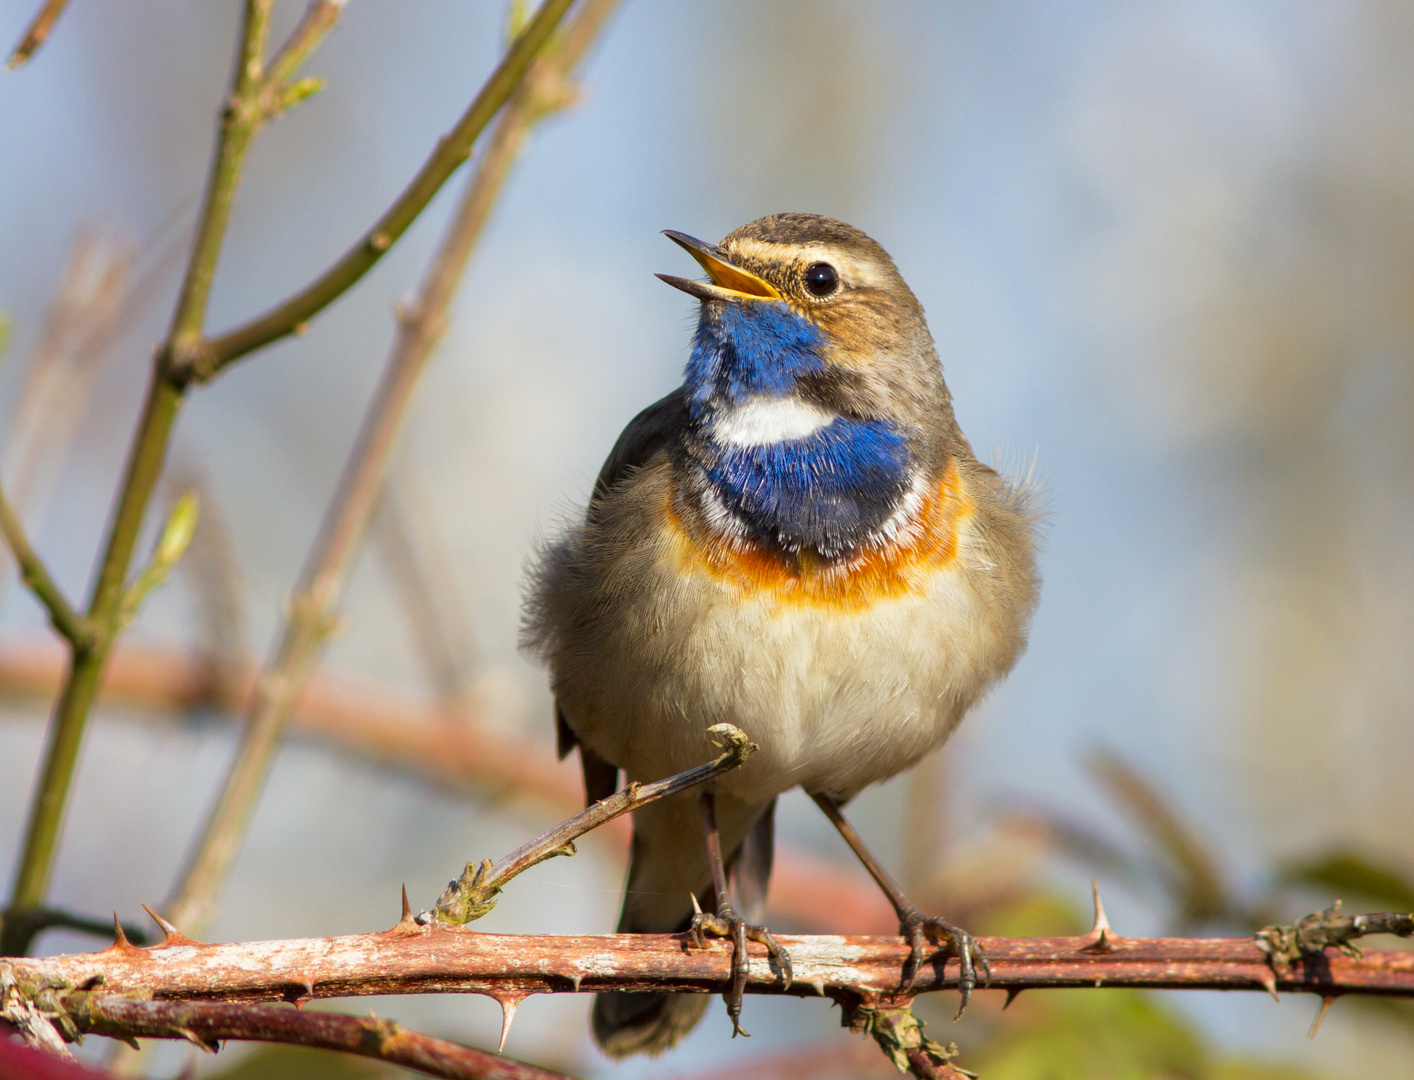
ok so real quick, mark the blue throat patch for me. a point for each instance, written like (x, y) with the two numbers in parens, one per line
(830, 491)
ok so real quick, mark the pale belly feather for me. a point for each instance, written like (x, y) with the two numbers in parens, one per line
(836, 699)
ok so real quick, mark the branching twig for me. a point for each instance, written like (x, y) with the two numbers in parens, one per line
(330, 561)
(36, 576)
(453, 149)
(186, 357)
(318, 19)
(144, 464)
(474, 893)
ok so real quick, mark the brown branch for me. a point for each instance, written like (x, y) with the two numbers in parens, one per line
(473, 895)
(37, 33)
(209, 1023)
(416, 959)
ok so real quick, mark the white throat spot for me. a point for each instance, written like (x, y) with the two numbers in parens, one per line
(763, 421)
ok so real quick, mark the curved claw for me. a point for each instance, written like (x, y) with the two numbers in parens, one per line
(970, 957)
(726, 923)
(775, 950)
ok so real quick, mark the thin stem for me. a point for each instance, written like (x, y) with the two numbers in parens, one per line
(453, 149)
(318, 19)
(37, 33)
(473, 895)
(320, 589)
(144, 466)
(892, 889)
(40, 582)
(208, 1023)
(75, 701)
(240, 120)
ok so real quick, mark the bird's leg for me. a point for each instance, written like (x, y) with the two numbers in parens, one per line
(911, 923)
(725, 922)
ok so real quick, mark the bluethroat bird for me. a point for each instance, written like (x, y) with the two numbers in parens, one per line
(797, 541)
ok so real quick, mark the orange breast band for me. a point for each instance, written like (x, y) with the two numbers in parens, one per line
(927, 545)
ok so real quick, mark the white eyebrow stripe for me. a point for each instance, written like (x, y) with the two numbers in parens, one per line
(763, 421)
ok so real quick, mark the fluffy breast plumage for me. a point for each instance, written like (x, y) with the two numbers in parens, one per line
(845, 670)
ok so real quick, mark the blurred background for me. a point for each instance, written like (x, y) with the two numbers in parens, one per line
(1167, 253)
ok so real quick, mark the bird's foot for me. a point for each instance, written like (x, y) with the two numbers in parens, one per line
(914, 928)
(726, 923)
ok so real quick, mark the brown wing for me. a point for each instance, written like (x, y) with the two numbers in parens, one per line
(646, 434)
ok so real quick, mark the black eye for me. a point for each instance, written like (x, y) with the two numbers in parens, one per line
(821, 279)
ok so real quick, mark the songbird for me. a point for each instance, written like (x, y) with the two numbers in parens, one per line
(798, 541)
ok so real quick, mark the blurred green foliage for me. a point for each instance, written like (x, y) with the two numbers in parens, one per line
(301, 1063)
(1355, 878)
(1111, 1035)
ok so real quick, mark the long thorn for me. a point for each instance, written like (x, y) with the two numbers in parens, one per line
(1326, 1003)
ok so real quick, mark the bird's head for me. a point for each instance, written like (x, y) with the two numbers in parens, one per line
(800, 306)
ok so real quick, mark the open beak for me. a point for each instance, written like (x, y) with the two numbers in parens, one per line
(729, 282)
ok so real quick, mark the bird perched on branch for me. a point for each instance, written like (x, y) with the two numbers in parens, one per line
(800, 542)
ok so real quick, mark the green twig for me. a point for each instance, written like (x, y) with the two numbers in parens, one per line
(144, 466)
(453, 149)
(186, 355)
(240, 121)
(320, 588)
(171, 546)
(318, 19)
(40, 582)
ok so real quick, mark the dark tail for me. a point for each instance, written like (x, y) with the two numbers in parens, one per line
(668, 865)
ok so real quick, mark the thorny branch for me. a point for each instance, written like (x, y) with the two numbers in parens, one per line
(412, 958)
(114, 991)
(474, 894)
(208, 1023)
